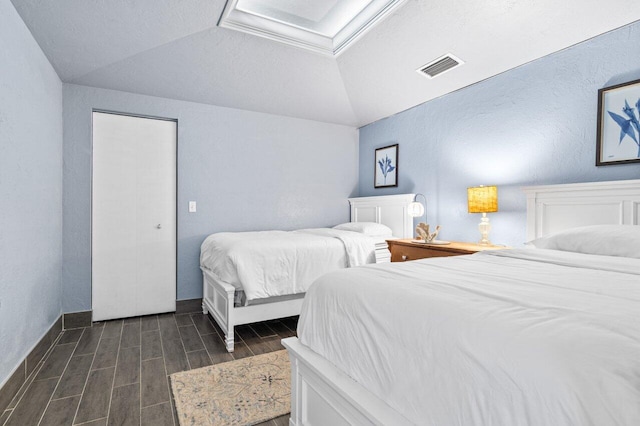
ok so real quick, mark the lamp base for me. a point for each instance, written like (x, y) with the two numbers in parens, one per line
(484, 228)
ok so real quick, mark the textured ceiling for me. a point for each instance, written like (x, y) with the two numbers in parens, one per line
(173, 49)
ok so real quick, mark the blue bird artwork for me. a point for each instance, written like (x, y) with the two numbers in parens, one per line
(629, 123)
(386, 167)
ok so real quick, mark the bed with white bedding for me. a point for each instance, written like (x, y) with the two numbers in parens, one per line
(514, 337)
(257, 276)
(277, 263)
(511, 337)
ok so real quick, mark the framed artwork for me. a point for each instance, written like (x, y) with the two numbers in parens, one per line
(386, 167)
(618, 139)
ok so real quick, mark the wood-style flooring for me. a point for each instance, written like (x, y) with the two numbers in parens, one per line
(116, 372)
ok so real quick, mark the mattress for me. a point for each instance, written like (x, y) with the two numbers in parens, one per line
(511, 337)
(276, 263)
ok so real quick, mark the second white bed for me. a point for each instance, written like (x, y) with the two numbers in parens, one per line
(277, 263)
(518, 337)
(221, 295)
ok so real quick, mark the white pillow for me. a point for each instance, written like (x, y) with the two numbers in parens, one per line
(606, 240)
(371, 229)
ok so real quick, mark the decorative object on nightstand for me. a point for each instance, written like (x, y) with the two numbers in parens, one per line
(483, 199)
(424, 234)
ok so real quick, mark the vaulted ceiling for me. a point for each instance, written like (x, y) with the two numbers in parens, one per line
(174, 49)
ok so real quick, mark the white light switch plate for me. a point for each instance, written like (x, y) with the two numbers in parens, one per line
(192, 206)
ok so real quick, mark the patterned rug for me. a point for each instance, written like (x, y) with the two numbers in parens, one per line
(242, 392)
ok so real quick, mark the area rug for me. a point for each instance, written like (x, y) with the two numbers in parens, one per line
(242, 392)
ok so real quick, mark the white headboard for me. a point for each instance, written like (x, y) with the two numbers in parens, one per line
(390, 210)
(553, 208)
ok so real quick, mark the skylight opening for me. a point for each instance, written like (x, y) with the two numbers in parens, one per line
(327, 27)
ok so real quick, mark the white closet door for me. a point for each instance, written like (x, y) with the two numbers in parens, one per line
(133, 216)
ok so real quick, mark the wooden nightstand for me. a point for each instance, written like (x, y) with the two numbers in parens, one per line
(403, 250)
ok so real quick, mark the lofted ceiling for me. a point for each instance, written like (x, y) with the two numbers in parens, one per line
(174, 49)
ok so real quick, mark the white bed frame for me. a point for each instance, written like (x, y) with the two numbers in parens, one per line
(321, 394)
(218, 297)
(553, 208)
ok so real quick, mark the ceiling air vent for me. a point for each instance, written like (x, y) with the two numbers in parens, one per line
(440, 65)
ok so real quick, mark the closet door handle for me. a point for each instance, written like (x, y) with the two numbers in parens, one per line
(159, 226)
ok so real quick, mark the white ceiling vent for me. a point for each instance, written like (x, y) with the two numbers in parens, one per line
(440, 65)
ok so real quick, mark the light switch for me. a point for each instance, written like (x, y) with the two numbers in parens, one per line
(192, 206)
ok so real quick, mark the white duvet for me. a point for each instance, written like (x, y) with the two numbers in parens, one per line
(277, 263)
(511, 337)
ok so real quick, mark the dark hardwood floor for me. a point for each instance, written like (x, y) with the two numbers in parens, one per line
(116, 372)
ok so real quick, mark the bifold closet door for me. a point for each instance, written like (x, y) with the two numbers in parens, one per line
(133, 224)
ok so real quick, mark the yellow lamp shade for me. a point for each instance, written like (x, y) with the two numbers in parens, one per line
(482, 199)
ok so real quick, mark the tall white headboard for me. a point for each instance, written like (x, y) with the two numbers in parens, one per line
(390, 210)
(553, 208)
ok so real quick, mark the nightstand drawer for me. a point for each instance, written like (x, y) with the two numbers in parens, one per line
(403, 253)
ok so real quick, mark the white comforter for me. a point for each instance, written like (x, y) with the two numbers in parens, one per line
(277, 263)
(513, 337)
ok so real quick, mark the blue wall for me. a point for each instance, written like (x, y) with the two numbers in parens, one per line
(535, 124)
(246, 170)
(30, 191)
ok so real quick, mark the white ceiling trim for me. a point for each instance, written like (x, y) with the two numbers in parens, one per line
(295, 35)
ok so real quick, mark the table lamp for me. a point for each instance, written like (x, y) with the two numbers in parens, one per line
(416, 208)
(483, 199)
